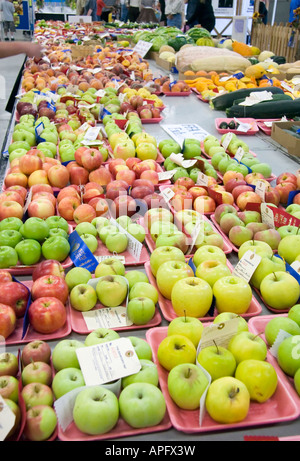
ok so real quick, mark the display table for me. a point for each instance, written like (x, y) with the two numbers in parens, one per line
(191, 110)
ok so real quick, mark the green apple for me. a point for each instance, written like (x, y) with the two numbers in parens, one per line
(257, 246)
(186, 384)
(226, 316)
(142, 347)
(112, 290)
(168, 147)
(65, 380)
(232, 294)
(227, 400)
(276, 324)
(211, 271)
(297, 381)
(24, 135)
(140, 310)
(191, 150)
(142, 405)
(294, 314)
(217, 361)
(263, 168)
(191, 296)
(29, 252)
(86, 228)
(96, 410)
(41, 421)
(143, 289)
(246, 345)
(267, 265)
(90, 241)
(280, 290)
(8, 257)
(284, 231)
(116, 242)
(209, 253)
(169, 273)
(57, 248)
(83, 297)
(105, 230)
(11, 223)
(175, 349)
(147, 374)
(76, 276)
(137, 231)
(99, 222)
(288, 355)
(100, 336)
(289, 248)
(37, 394)
(19, 145)
(110, 266)
(124, 221)
(48, 146)
(135, 276)
(191, 327)
(58, 232)
(64, 354)
(260, 377)
(10, 238)
(163, 254)
(35, 228)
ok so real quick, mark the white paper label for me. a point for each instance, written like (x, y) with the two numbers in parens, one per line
(226, 140)
(142, 47)
(7, 419)
(167, 194)
(239, 154)
(202, 180)
(281, 336)
(197, 234)
(256, 97)
(101, 258)
(218, 334)
(179, 160)
(106, 317)
(296, 266)
(247, 265)
(134, 247)
(106, 362)
(260, 189)
(165, 175)
(267, 215)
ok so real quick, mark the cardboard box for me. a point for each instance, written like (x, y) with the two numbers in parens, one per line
(286, 140)
(165, 65)
(152, 55)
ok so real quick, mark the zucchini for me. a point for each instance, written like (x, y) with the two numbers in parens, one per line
(226, 100)
(267, 109)
(279, 59)
(275, 97)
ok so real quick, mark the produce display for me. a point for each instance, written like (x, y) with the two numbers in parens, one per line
(162, 256)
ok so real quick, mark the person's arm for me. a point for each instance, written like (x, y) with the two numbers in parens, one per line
(14, 48)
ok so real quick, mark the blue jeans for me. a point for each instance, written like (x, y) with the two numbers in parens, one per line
(176, 21)
(124, 13)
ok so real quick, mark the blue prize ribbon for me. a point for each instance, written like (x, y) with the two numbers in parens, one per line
(80, 254)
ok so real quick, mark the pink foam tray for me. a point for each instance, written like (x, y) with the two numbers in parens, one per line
(281, 407)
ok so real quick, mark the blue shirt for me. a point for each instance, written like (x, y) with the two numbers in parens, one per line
(293, 6)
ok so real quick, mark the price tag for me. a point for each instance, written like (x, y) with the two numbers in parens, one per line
(134, 247)
(243, 127)
(164, 175)
(167, 194)
(92, 133)
(267, 215)
(107, 362)
(28, 200)
(179, 160)
(142, 48)
(39, 129)
(226, 140)
(7, 419)
(239, 154)
(287, 87)
(202, 179)
(197, 234)
(296, 266)
(218, 334)
(281, 336)
(115, 255)
(247, 265)
(260, 189)
(106, 317)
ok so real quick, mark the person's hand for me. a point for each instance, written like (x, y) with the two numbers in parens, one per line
(33, 50)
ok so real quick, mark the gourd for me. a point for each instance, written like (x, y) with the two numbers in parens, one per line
(242, 49)
(167, 48)
(256, 71)
(265, 55)
(220, 64)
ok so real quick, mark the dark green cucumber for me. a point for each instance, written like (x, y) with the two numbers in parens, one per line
(224, 101)
(267, 110)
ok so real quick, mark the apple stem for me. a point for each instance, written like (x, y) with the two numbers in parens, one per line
(218, 352)
(234, 392)
(188, 373)
(184, 315)
(275, 276)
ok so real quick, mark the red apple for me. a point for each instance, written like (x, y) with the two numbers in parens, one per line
(90, 194)
(229, 175)
(139, 192)
(123, 205)
(16, 179)
(48, 267)
(47, 315)
(204, 204)
(50, 285)
(91, 159)
(247, 197)
(272, 195)
(101, 176)
(20, 189)
(151, 176)
(284, 188)
(234, 182)
(112, 163)
(131, 161)
(46, 195)
(185, 181)
(117, 183)
(252, 176)
(197, 191)
(227, 197)
(41, 208)
(182, 201)
(36, 351)
(239, 190)
(10, 209)
(5, 276)
(78, 175)
(296, 199)
(12, 196)
(84, 213)
(126, 175)
(100, 205)
(114, 192)
(58, 176)
(69, 191)
(67, 206)
(285, 177)
(41, 188)
(15, 295)
(8, 320)
(143, 183)
(154, 201)
(78, 153)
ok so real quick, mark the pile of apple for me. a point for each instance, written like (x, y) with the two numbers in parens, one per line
(286, 359)
(193, 293)
(166, 229)
(36, 238)
(232, 377)
(109, 286)
(170, 86)
(48, 375)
